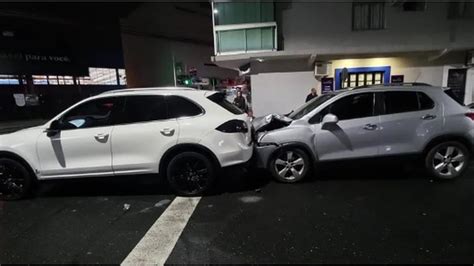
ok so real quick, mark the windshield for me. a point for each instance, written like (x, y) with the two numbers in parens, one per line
(310, 106)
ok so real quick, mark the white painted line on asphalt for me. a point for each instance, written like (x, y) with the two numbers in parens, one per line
(157, 244)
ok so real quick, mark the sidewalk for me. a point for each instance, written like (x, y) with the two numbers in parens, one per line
(12, 126)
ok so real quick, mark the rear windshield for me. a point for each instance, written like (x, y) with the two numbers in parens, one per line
(454, 96)
(220, 99)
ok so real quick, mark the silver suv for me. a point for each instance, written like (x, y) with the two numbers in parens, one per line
(375, 121)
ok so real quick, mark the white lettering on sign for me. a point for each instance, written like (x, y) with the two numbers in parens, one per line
(44, 58)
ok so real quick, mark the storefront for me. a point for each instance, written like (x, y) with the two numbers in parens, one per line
(43, 72)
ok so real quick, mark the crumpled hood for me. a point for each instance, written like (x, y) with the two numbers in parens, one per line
(270, 122)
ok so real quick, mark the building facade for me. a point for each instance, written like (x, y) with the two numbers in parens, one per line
(288, 48)
(49, 61)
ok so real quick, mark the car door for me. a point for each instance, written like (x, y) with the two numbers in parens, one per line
(356, 133)
(409, 120)
(143, 131)
(82, 145)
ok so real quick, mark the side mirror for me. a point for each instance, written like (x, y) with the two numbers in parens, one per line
(330, 119)
(53, 129)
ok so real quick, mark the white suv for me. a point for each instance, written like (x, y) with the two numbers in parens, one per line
(185, 134)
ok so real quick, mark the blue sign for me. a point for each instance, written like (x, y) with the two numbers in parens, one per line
(327, 85)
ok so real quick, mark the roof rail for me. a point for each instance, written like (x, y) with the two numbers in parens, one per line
(148, 89)
(413, 84)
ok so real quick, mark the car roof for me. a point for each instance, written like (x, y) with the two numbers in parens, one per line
(156, 90)
(390, 86)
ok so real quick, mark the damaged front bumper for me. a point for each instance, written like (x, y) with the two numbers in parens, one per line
(264, 150)
(262, 153)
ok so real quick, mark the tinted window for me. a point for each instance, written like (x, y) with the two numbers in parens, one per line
(400, 102)
(142, 109)
(453, 96)
(94, 113)
(425, 101)
(352, 106)
(220, 99)
(181, 107)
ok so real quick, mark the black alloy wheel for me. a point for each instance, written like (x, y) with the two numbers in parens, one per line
(190, 174)
(15, 180)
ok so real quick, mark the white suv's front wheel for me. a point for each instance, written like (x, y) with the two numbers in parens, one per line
(15, 180)
(190, 174)
(447, 160)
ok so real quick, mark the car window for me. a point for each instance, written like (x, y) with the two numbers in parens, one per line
(353, 106)
(454, 96)
(219, 98)
(142, 108)
(349, 107)
(424, 101)
(94, 113)
(181, 107)
(400, 102)
(406, 101)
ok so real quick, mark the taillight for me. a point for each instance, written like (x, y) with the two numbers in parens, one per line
(233, 126)
(470, 115)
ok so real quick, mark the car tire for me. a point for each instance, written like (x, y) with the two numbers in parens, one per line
(190, 174)
(447, 160)
(289, 165)
(15, 180)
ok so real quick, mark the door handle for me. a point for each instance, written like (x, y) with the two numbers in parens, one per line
(428, 117)
(101, 136)
(370, 127)
(167, 131)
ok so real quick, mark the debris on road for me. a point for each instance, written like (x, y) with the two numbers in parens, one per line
(250, 199)
(162, 203)
(126, 207)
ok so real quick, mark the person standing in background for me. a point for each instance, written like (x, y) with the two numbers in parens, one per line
(240, 102)
(311, 95)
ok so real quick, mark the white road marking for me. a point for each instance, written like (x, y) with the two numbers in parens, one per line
(157, 244)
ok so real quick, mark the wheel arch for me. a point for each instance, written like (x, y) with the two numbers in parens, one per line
(450, 137)
(176, 149)
(18, 158)
(294, 144)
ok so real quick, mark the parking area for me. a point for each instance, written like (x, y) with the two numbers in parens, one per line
(346, 214)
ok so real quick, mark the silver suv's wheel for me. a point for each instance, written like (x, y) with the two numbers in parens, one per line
(290, 165)
(447, 160)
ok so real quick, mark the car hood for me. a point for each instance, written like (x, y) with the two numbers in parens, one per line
(270, 122)
(20, 136)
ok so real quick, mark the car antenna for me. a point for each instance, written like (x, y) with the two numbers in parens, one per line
(417, 77)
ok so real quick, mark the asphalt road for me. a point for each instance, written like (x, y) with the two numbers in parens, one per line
(347, 214)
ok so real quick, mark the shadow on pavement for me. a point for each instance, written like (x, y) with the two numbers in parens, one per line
(233, 180)
(386, 168)
(229, 181)
(104, 186)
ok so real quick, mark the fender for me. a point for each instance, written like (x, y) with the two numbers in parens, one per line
(449, 137)
(186, 147)
(300, 145)
(14, 156)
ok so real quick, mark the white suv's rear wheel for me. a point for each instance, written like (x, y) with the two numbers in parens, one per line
(190, 174)
(447, 160)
